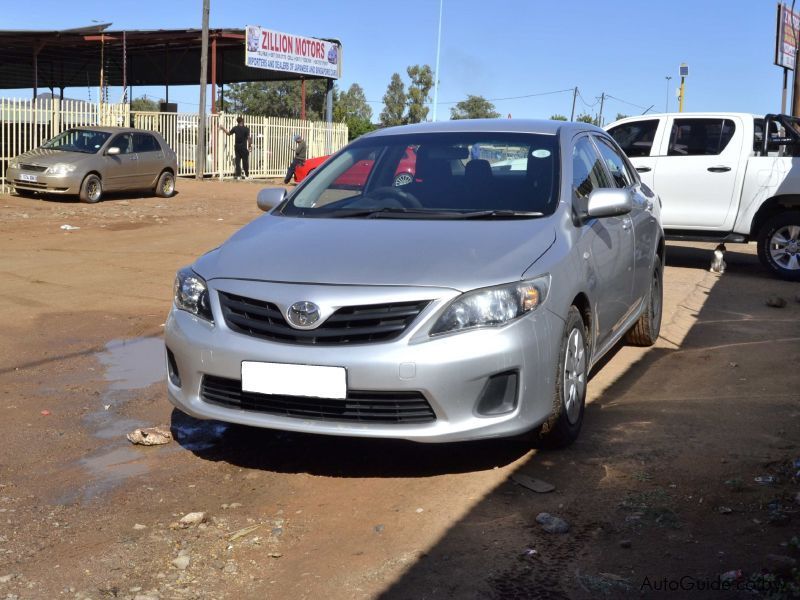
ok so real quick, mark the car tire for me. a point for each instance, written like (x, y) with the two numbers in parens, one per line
(779, 245)
(165, 187)
(645, 331)
(402, 179)
(569, 399)
(91, 189)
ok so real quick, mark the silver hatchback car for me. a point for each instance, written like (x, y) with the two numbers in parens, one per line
(470, 303)
(88, 161)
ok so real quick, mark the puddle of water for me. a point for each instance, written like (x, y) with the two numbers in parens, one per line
(134, 364)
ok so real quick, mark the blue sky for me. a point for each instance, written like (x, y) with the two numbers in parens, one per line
(498, 49)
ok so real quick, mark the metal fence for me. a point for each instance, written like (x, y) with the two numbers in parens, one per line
(25, 124)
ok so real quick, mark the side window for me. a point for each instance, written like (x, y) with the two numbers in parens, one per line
(144, 142)
(699, 137)
(123, 142)
(587, 169)
(615, 164)
(635, 139)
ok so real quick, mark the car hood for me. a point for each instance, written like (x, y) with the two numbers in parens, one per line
(47, 157)
(457, 254)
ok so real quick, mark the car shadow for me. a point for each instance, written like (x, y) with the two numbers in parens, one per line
(107, 197)
(335, 456)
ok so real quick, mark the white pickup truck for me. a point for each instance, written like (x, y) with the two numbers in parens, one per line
(720, 180)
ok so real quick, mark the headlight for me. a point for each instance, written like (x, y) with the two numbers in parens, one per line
(61, 169)
(13, 164)
(191, 294)
(493, 307)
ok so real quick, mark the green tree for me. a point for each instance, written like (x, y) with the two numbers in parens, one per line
(558, 117)
(418, 91)
(584, 118)
(351, 107)
(394, 102)
(621, 116)
(275, 99)
(144, 104)
(474, 107)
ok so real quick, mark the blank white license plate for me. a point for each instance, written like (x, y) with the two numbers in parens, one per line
(294, 380)
(26, 177)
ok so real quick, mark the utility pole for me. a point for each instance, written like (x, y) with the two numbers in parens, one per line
(574, 97)
(684, 72)
(436, 74)
(668, 78)
(600, 116)
(200, 151)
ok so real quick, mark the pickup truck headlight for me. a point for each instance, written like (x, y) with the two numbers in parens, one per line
(494, 306)
(61, 169)
(191, 294)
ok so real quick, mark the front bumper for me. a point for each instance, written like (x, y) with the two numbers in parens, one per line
(51, 184)
(450, 371)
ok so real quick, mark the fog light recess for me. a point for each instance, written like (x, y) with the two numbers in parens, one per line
(499, 395)
(172, 369)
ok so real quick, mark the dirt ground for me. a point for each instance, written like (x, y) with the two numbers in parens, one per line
(660, 491)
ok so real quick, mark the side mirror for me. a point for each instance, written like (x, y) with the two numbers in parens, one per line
(606, 202)
(269, 198)
(113, 151)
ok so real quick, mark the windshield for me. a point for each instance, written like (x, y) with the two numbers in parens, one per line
(435, 175)
(78, 140)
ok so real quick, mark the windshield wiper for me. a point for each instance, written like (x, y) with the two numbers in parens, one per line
(501, 214)
(395, 212)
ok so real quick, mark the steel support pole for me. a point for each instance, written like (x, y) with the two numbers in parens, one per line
(200, 151)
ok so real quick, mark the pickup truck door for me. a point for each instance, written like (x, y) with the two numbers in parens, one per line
(697, 171)
(641, 141)
(606, 245)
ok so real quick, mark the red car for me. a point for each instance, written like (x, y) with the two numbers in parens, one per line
(356, 176)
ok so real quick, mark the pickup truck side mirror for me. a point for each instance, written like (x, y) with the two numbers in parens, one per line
(605, 202)
(113, 151)
(269, 198)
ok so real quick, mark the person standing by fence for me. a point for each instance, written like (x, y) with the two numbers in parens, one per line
(242, 144)
(299, 157)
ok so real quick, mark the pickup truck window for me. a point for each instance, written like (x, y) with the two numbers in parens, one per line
(699, 137)
(587, 170)
(615, 164)
(635, 139)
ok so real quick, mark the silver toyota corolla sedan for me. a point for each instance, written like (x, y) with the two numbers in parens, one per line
(470, 303)
(89, 161)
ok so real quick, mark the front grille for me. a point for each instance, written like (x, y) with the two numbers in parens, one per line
(30, 184)
(358, 407)
(348, 325)
(34, 168)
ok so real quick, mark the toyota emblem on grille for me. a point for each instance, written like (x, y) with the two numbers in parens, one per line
(303, 315)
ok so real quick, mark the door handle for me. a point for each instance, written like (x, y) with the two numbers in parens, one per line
(719, 169)
(643, 169)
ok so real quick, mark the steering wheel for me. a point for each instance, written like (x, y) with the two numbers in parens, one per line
(405, 199)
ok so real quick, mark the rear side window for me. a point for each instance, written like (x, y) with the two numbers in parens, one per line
(144, 142)
(614, 163)
(700, 137)
(587, 169)
(635, 139)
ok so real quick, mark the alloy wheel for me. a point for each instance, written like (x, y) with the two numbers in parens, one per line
(574, 375)
(784, 247)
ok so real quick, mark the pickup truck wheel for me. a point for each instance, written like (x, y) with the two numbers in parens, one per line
(569, 399)
(779, 245)
(645, 331)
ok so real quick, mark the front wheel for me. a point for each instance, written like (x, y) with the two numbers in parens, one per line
(91, 189)
(569, 399)
(645, 331)
(779, 245)
(166, 185)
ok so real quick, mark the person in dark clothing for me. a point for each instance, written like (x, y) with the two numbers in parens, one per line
(242, 144)
(299, 157)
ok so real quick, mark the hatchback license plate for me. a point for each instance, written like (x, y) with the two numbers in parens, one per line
(26, 177)
(294, 380)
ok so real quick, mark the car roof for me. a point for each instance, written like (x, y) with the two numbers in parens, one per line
(706, 115)
(541, 126)
(102, 129)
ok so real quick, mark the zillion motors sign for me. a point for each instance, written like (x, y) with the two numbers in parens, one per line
(278, 51)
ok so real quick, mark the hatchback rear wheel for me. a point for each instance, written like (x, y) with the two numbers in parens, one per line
(166, 185)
